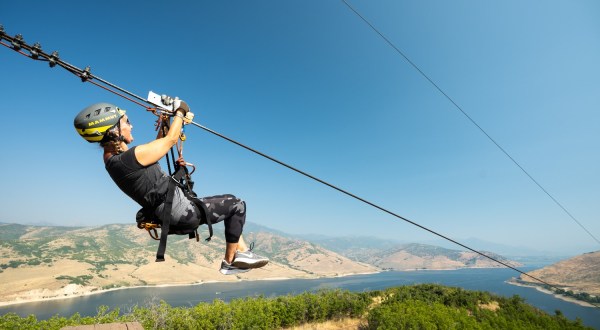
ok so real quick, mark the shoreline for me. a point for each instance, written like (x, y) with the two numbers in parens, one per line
(94, 292)
(514, 282)
(87, 291)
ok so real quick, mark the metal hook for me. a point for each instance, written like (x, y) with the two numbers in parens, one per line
(35, 50)
(17, 42)
(53, 59)
(85, 75)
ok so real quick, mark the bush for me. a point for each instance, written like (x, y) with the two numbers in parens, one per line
(411, 307)
(415, 314)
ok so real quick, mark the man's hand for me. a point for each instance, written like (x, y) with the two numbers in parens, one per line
(189, 117)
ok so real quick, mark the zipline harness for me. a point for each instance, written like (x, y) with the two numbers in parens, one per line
(159, 107)
(180, 177)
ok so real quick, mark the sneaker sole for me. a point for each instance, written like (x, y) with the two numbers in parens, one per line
(233, 271)
(249, 263)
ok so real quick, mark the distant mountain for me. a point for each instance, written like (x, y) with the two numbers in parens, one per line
(390, 254)
(513, 250)
(334, 242)
(503, 249)
(359, 248)
(578, 274)
(422, 256)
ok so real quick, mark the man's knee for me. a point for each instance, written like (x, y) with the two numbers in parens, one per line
(239, 207)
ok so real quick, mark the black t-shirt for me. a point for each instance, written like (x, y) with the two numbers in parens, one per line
(147, 185)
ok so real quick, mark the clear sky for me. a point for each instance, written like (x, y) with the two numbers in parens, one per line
(311, 84)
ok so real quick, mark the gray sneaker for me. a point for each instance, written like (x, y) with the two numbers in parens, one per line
(230, 269)
(249, 259)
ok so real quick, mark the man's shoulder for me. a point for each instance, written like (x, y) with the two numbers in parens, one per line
(126, 158)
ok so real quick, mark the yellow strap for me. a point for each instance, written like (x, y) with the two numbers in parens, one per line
(155, 236)
(151, 228)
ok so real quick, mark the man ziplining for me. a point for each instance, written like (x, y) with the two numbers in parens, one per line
(238, 258)
(137, 173)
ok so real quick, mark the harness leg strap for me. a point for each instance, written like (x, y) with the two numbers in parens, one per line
(164, 233)
(162, 246)
(204, 216)
(208, 222)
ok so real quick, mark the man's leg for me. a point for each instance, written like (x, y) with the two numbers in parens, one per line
(232, 211)
(232, 248)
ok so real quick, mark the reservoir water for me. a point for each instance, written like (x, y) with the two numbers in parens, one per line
(492, 280)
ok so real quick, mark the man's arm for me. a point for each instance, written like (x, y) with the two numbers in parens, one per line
(152, 152)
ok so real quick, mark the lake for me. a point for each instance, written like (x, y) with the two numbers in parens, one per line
(492, 280)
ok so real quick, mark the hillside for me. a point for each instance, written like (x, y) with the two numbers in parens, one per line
(49, 262)
(415, 256)
(580, 274)
(421, 256)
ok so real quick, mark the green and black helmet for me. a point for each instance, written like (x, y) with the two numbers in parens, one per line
(93, 122)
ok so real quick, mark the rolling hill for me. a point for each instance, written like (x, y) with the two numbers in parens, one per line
(393, 255)
(580, 274)
(39, 262)
(51, 262)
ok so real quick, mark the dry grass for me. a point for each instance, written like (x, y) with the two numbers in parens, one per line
(32, 283)
(491, 306)
(347, 323)
(579, 274)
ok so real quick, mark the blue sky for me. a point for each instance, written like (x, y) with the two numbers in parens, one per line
(311, 84)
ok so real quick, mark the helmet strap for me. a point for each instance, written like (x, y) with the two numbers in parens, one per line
(120, 137)
(119, 127)
(115, 137)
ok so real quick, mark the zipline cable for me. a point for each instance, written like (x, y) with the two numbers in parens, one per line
(377, 206)
(86, 76)
(17, 43)
(469, 118)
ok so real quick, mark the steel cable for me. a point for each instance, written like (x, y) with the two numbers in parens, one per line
(80, 73)
(470, 119)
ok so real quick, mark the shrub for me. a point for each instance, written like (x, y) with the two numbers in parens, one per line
(411, 307)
